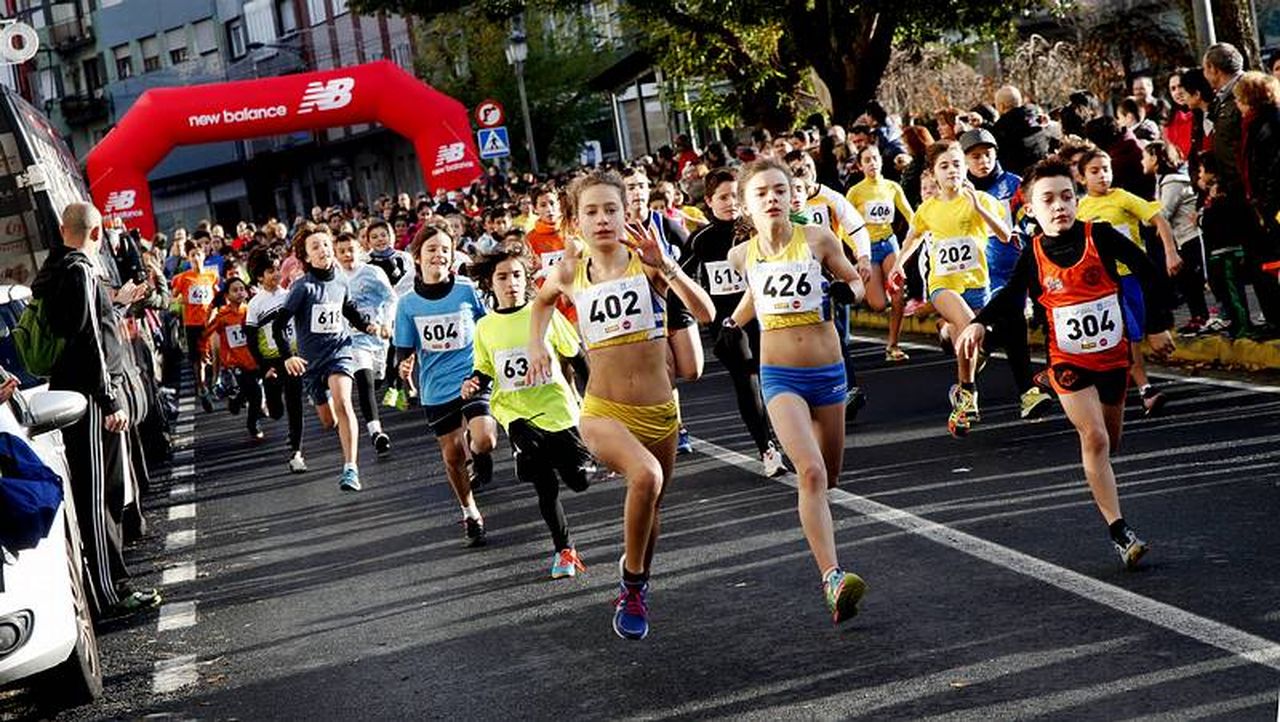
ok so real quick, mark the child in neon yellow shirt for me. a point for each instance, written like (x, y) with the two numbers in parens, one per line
(1126, 213)
(541, 418)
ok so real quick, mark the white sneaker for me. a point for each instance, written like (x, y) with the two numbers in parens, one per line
(772, 459)
(297, 464)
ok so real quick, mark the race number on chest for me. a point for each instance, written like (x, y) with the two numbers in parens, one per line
(236, 337)
(879, 212)
(200, 295)
(787, 287)
(615, 308)
(326, 318)
(956, 255)
(512, 366)
(723, 279)
(444, 332)
(1089, 327)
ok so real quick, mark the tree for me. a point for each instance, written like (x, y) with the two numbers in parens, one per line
(847, 44)
(462, 52)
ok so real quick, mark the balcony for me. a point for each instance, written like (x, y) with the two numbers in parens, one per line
(70, 35)
(84, 109)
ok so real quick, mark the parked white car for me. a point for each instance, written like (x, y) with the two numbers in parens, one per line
(46, 628)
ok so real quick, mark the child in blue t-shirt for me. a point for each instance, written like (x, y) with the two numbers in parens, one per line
(435, 330)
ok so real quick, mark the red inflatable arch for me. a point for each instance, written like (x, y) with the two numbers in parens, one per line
(374, 92)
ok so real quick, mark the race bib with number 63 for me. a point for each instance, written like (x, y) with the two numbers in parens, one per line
(201, 295)
(512, 368)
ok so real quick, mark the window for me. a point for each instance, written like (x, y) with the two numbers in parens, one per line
(287, 15)
(95, 73)
(237, 38)
(150, 53)
(176, 41)
(48, 84)
(339, 7)
(206, 37)
(318, 11)
(124, 61)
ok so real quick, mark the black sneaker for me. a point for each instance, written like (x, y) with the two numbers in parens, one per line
(255, 431)
(206, 402)
(474, 532)
(854, 401)
(233, 405)
(481, 471)
(134, 602)
(382, 443)
(1132, 551)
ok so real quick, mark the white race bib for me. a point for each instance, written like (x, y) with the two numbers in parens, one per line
(787, 287)
(271, 337)
(236, 337)
(615, 308)
(444, 332)
(723, 279)
(955, 255)
(550, 258)
(880, 212)
(512, 366)
(326, 318)
(1089, 327)
(201, 295)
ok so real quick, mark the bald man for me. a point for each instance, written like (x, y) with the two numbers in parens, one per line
(1022, 141)
(79, 305)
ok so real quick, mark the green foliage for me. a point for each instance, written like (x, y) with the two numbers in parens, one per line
(463, 53)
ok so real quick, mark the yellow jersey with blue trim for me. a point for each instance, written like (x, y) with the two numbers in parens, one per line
(787, 288)
(624, 310)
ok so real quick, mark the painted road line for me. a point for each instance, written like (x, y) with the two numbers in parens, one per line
(1250, 647)
(182, 472)
(179, 573)
(182, 539)
(174, 674)
(182, 511)
(177, 615)
(180, 490)
(185, 456)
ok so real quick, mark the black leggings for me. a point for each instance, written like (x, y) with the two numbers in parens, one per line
(1191, 278)
(743, 363)
(1013, 338)
(367, 388)
(284, 392)
(250, 394)
(540, 456)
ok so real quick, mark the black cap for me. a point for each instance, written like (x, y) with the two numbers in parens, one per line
(978, 136)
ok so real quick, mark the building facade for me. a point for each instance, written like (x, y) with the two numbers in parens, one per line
(97, 57)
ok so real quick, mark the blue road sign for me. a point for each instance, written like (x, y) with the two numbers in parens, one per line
(493, 142)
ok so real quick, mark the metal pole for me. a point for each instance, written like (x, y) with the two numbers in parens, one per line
(528, 128)
(644, 117)
(1203, 12)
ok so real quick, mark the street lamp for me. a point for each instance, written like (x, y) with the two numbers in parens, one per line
(517, 53)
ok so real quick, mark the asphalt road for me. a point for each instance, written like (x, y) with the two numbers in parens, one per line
(994, 591)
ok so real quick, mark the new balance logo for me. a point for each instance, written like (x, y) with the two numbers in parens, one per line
(329, 95)
(120, 201)
(451, 153)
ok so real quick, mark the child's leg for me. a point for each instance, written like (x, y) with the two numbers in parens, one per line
(957, 315)
(365, 390)
(1085, 411)
(345, 416)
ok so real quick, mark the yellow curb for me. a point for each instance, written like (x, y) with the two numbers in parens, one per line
(1215, 350)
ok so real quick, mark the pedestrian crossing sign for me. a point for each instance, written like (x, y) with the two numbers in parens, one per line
(493, 142)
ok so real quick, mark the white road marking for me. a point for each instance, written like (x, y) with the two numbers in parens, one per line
(182, 472)
(176, 615)
(178, 574)
(183, 489)
(1250, 647)
(184, 456)
(174, 674)
(182, 511)
(178, 540)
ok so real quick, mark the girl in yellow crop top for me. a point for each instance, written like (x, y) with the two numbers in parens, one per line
(802, 375)
(617, 279)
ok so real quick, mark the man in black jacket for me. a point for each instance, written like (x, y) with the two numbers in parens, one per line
(92, 363)
(1022, 140)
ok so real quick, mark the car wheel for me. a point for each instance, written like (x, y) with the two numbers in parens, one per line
(78, 679)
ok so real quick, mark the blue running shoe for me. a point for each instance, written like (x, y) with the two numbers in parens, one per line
(631, 611)
(350, 480)
(684, 445)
